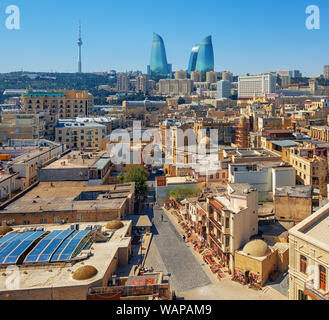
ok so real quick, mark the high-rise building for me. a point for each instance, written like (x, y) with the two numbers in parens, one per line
(285, 81)
(142, 83)
(289, 73)
(180, 75)
(123, 83)
(158, 65)
(193, 59)
(226, 75)
(196, 76)
(256, 85)
(211, 77)
(326, 72)
(223, 89)
(205, 61)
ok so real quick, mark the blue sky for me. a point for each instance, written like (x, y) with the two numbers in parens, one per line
(248, 36)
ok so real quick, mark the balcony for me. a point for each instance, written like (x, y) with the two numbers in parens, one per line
(215, 223)
(215, 239)
(313, 293)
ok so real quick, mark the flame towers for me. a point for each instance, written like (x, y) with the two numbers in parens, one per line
(158, 65)
(205, 61)
(193, 59)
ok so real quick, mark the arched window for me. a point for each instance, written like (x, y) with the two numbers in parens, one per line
(303, 264)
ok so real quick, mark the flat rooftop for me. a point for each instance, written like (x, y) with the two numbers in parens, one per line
(68, 196)
(319, 229)
(294, 192)
(77, 159)
(103, 253)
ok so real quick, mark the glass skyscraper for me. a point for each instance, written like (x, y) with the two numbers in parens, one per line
(205, 61)
(193, 59)
(158, 65)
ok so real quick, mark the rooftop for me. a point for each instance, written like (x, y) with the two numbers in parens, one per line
(77, 159)
(68, 196)
(103, 253)
(294, 192)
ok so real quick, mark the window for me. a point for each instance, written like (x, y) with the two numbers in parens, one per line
(227, 222)
(302, 295)
(303, 264)
(227, 240)
(43, 221)
(323, 278)
(26, 222)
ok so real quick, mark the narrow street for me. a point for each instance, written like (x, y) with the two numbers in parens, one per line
(190, 277)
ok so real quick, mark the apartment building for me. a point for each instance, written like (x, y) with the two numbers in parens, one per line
(256, 86)
(67, 104)
(232, 220)
(80, 135)
(175, 87)
(309, 257)
(312, 169)
(21, 125)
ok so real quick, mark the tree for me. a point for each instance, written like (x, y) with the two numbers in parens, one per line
(181, 193)
(121, 177)
(139, 176)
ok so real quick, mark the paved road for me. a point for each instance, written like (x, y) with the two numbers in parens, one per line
(186, 272)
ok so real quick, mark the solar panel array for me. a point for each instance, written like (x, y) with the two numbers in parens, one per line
(13, 246)
(58, 246)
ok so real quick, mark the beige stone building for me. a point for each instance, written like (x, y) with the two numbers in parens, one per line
(196, 76)
(175, 87)
(80, 135)
(311, 169)
(70, 202)
(180, 75)
(232, 221)
(95, 260)
(257, 260)
(309, 258)
(21, 125)
(293, 204)
(211, 77)
(67, 104)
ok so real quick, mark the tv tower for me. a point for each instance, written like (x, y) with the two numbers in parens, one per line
(80, 45)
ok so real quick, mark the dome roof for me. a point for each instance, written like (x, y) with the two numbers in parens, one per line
(114, 225)
(4, 230)
(84, 273)
(256, 248)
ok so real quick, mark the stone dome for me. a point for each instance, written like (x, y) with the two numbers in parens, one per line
(84, 273)
(114, 225)
(4, 230)
(256, 248)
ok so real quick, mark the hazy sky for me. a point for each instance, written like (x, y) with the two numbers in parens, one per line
(248, 36)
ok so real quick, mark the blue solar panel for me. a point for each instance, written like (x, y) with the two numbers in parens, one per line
(34, 254)
(7, 238)
(51, 249)
(15, 241)
(62, 247)
(22, 247)
(67, 251)
(12, 245)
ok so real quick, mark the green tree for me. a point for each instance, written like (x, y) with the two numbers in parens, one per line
(182, 193)
(139, 176)
(121, 177)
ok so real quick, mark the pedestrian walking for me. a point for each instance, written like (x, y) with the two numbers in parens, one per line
(184, 238)
(162, 218)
